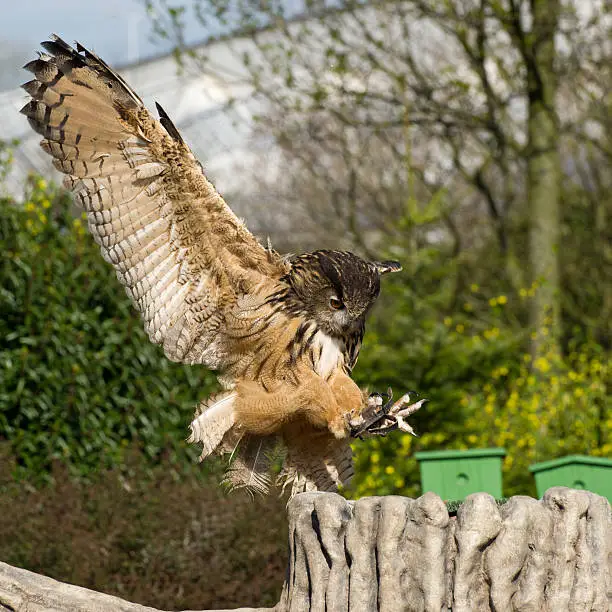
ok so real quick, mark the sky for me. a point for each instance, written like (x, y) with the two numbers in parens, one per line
(117, 30)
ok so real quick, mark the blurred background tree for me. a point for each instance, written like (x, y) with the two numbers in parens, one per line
(470, 140)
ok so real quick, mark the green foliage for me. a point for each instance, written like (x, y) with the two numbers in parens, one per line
(549, 408)
(79, 378)
(484, 389)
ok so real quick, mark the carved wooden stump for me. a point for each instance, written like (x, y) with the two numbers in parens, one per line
(398, 554)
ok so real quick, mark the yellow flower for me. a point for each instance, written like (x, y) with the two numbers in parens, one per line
(472, 439)
(467, 306)
(491, 333)
(46, 204)
(399, 483)
(41, 184)
(390, 469)
(541, 364)
(578, 392)
(448, 321)
(30, 207)
(595, 366)
(493, 302)
(502, 299)
(523, 293)
(460, 328)
(474, 287)
(374, 457)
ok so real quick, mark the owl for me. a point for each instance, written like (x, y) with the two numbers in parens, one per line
(283, 333)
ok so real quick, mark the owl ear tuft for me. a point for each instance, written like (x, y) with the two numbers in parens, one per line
(384, 267)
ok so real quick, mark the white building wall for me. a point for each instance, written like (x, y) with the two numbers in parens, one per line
(196, 103)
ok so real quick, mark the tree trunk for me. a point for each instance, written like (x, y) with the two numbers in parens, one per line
(398, 554)
(543, 174)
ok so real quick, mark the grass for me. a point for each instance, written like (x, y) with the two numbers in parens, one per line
(147, 536)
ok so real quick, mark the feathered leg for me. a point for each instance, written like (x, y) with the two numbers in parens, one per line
(216, 417)
(261, 412)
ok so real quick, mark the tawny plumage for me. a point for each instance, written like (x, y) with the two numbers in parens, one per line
(284, 333)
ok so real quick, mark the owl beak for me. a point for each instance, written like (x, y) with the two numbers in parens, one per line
(384, 267)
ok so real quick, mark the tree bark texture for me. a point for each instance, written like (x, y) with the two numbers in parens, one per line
(543, 173)
(398, 554)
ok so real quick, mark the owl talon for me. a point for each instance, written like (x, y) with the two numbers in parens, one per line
(378, 407)
(384, 417)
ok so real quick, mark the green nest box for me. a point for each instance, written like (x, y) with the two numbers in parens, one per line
(456, 473)
(577, 472)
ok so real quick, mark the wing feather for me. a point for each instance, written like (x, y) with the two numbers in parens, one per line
(182, 255)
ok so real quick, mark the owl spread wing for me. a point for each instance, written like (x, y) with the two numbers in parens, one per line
(182, 255)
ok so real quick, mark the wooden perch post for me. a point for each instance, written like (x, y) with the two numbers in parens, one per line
(398, 554)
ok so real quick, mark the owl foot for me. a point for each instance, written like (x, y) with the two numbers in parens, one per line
(383, 415)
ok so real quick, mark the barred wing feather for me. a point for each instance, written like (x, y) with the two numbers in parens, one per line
(182, 255)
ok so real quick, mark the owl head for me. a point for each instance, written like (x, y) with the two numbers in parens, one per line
(336, 289)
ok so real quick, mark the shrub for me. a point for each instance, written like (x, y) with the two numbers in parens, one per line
(80, 379)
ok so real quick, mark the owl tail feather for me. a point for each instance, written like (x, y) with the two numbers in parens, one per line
(216, 417)
(315, 460)
(251, 464)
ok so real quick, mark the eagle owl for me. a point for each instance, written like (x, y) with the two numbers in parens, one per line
(283, 332)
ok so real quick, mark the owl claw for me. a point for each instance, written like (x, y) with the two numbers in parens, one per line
(383, 415)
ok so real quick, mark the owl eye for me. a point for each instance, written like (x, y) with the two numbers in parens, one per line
(336, 303)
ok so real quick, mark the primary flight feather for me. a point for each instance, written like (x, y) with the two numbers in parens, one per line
(283, 333)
